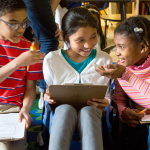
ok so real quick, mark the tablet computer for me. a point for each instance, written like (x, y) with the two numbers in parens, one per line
(76, 95)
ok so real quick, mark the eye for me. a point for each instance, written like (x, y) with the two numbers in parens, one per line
(93, 37)
(80, 41)
(121, 47)
(14, 26)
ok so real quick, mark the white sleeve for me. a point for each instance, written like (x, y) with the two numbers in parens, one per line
(47, 71)
(108, 60)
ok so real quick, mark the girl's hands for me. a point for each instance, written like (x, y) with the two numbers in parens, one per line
(113, 71)
(30, 57)
(57, 33)
(48, 98)
(25, 115)
(98, 103)
(132, 116)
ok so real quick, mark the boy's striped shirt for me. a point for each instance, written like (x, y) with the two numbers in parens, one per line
(12, 88)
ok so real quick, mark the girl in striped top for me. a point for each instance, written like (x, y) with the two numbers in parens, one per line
(132, 39)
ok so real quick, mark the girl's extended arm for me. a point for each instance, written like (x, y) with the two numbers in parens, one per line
(113, 71)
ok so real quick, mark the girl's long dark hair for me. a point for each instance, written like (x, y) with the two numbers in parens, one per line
(99, 28)
(76, 18)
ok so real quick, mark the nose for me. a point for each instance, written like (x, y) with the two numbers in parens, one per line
(117, 52)
(88, 44)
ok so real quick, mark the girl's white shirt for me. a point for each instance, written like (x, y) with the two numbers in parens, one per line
(57, 71)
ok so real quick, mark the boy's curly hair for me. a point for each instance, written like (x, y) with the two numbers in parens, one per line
(7, 6)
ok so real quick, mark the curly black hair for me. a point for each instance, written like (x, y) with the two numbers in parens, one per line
(7, 6)
(128, 27)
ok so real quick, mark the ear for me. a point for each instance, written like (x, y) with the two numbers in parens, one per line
(61, 33)
(66, 38)
(62, 36)
(144, 48)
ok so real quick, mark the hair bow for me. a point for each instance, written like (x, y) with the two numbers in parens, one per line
(136, 29)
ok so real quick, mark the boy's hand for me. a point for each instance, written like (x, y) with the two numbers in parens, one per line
(24, 115)
(132, 116)
(98, 103)
(30, 57)
(48, 98)
(57, 33)
(113, 71)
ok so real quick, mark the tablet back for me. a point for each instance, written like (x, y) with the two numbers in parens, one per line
(76, 95)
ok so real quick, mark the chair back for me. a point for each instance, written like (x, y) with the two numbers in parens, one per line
(109, 48)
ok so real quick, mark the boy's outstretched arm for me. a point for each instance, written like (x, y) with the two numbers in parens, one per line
(28, 99)
(25, 59)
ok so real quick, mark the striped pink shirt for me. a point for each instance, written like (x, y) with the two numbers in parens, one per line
(135, 82)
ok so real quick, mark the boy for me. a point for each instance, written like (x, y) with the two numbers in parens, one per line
(17, 85)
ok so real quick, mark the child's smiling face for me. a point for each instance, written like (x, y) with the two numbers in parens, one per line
(6, 33)
(128, 52)
(83, 41)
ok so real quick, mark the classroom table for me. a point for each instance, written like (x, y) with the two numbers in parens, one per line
(122, 5)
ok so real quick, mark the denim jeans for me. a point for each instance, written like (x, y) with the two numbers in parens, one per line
(40, 14)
